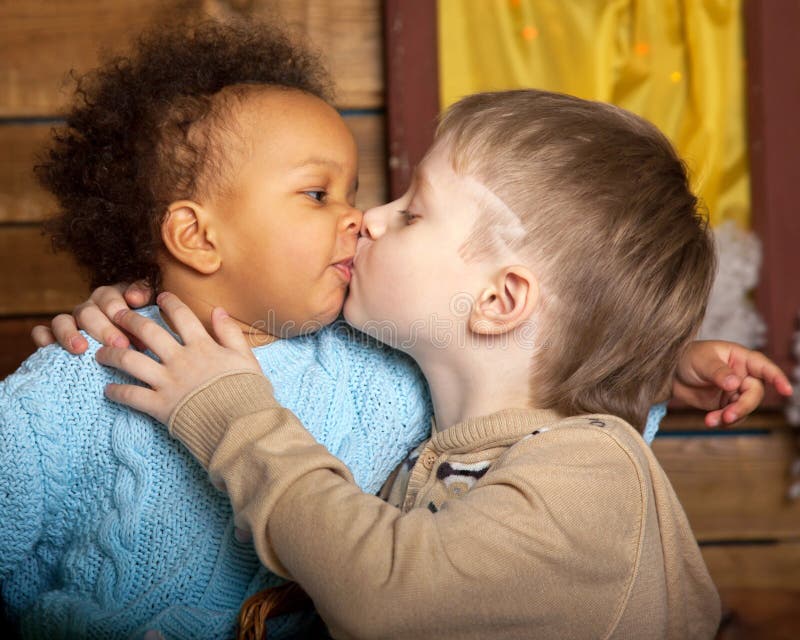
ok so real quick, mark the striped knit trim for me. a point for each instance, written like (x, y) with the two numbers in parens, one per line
(502, 427)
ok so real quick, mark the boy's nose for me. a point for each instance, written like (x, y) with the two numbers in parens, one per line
(373, 225)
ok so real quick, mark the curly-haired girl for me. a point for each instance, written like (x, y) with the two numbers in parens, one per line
(208, 162)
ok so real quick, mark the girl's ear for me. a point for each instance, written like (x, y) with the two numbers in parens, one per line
(189, 236)
(506, 303)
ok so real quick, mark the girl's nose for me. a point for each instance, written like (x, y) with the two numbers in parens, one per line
(351, 221)
(374, 224)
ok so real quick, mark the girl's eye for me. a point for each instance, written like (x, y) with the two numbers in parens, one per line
(409, 217)
(317, 195)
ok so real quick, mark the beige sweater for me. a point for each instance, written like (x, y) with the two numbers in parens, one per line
(521, 524)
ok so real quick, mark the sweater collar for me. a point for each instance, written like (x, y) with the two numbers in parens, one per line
(508, 424)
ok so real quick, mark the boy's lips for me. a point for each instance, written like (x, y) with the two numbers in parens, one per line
(345, 268)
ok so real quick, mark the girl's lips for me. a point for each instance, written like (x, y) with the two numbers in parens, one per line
(345, 269)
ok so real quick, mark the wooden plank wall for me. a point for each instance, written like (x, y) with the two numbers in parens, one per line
(733, 485)
(40, 42)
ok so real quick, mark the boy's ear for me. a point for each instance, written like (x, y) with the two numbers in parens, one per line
(506, 303)
(189, 236)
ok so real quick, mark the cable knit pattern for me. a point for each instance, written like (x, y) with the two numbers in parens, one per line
(108, 527)
(654, 418)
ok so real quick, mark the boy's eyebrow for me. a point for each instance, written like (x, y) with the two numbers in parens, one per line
(420, 181)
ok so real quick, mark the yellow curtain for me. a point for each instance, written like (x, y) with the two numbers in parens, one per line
(678, 63)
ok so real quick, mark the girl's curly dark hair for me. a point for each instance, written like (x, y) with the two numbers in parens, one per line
(130, 145)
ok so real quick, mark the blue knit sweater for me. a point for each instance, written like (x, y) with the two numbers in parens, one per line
(109, 528)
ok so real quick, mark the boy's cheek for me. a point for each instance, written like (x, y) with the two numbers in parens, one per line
(361, 309)
(352, 310)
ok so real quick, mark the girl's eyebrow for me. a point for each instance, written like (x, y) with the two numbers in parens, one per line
(316, 161)
(326, 162)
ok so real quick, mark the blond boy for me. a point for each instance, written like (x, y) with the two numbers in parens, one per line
(560, 239)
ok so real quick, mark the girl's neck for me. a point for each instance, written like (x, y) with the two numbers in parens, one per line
(201, 300)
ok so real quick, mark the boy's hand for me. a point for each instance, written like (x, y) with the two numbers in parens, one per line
(94, 317)
(725, 379)
(183, 367)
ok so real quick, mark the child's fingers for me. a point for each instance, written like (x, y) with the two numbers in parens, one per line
(186, 323)
(759, 366)
(95, 317)
(707, 361)
(227, 332)
(725, 378)
(66, 332)
(751, 393)
(139, 398)
(138, 294)
(704, 397)
(42, 335)
(135, 364)
(714, 418)
(63, 331)
(106, 294)
(153, 336)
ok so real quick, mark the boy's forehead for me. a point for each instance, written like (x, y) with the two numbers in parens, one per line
(486, 199)
(493, 227)
(437, 173)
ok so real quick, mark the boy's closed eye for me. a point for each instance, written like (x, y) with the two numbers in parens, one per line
(409, 217)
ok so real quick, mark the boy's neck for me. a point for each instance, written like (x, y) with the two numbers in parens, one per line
(472, 383)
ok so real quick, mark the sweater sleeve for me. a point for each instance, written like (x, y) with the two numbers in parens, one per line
(23, 422)
(654, 418)
(522, 545)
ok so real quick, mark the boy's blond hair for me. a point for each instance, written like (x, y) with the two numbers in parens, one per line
(598, 202)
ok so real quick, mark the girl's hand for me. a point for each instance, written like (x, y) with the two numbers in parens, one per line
(726, 379)
(183, 367)
(94, 317)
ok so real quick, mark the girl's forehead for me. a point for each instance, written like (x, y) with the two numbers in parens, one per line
(282, 105)
(293, 126)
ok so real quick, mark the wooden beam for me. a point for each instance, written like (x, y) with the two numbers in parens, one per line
(368, 131)
(773, 93)
(35, 280)
(412, 85)
(16, 343)
(21, 198)
(41, 41)
(733, 487)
